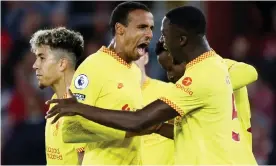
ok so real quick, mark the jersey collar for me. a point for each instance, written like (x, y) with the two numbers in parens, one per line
(201, 58)
(115, 56)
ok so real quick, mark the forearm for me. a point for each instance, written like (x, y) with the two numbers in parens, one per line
(166, 130)
(144, 132)
(153, 114)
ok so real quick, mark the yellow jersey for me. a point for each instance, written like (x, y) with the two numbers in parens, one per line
(241, 75)
(248, 75)
(203, 98)
(58, 152)
(154, 145)
(244, 114)
(157, 150)
(105, 80)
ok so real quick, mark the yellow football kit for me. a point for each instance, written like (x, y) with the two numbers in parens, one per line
(203, 98)
(104, 80)
(241, 115)
(248, 75)
(157, 149)
(58, 152)
(244, 114)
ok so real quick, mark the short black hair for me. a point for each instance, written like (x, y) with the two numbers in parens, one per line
(188, 17)
(120, 13)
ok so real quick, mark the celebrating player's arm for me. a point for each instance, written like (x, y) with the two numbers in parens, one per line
(87, 91)
(166, 130)
(155, 113)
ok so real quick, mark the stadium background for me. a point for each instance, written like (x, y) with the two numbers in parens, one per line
(244, 31)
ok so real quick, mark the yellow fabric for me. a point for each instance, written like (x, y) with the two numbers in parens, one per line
(203, 98)
(241, 75)
(106, 81)
(157, 150)
(244, 114)
(58, 152)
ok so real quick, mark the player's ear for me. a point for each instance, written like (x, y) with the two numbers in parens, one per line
(183, 40)
(119, 28)
(63, 64)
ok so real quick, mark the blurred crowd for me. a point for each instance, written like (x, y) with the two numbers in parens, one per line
(252, 40)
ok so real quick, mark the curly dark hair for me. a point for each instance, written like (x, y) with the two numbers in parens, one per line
(60, 38)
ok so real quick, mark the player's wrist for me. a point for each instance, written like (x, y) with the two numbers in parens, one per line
(83, 110)
(158, 128)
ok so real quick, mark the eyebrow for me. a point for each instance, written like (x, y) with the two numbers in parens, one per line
(40, 54)
(145, 25)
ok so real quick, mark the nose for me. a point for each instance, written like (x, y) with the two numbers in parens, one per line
(35, 66)
(149, 34)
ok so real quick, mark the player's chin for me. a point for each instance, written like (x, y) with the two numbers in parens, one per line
(172, 79)
(41, 85)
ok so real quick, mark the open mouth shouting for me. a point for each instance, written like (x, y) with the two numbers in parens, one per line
(142, 48)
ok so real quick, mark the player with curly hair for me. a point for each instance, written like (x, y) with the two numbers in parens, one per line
(57, 52)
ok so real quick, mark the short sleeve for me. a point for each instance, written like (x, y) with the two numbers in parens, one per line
(241, 74)
(87, 84)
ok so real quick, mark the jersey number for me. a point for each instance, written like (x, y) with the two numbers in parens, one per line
(235, 135)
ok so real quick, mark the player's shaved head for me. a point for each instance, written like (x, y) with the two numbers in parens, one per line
(192, 19)
(131, 24)
(183, 31)
(120, 13)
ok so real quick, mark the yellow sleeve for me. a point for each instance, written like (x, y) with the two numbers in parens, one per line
(87, 85)
(79, 129)
(241, 74)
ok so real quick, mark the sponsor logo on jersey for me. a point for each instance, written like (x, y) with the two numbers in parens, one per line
(185, 89)
(187, 81)
(80, 96)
